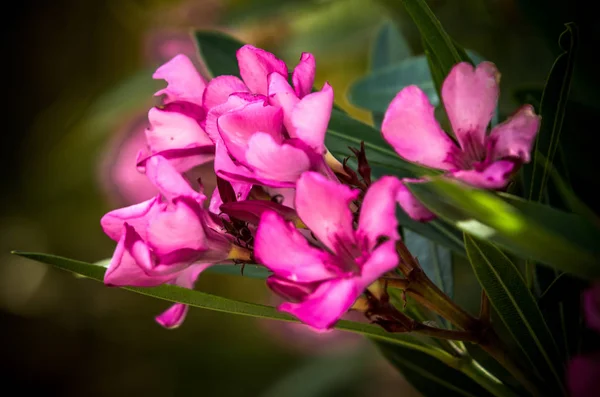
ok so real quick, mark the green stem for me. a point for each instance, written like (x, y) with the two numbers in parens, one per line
(428, 294)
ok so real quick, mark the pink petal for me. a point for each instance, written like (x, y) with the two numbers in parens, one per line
(381, 261)
(515, 137)
(238, 125)
(137, 216)
(128, 261)
(255, 65)
(184, 83)
(233, 102)
(304, 75)
(411, 205)
(273, 161)
(220, 88)
(251, 210)
(323, 206)
(177, 228)
(173, 317)
(470, 96)
(310, 118)
(410, 127)
(182, 160)
(174, 130)
(228, 170)
(322, 309)
(169, 181)
(291, 290)
(284, 251)
(495, 176)
(281, 94)
(378, 211)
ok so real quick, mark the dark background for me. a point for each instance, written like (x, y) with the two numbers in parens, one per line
(64, 61)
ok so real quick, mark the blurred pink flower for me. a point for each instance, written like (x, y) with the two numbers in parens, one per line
(583, 372)
(119, 178)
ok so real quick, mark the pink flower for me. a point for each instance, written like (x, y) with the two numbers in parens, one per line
(177, 127)
(470, 96)
(267, 132)
(322, 283)
(167, 239)
(256, 149)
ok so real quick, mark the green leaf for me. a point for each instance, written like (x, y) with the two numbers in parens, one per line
(376, 90)
(436, 261)
(517, 308)
(249, 270)
(218, 52)
(432, 32)
(531, 230)
(552, 109)
(204, 300)
(431, 377)
(389, 47)
(344, 131)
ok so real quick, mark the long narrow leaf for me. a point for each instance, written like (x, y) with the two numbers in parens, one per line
(204, 300)
(516, 306)
(552, 108)
(531, 230)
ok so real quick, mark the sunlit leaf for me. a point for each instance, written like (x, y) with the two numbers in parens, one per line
(531, 230)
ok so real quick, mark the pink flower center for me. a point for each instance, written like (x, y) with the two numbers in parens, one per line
(350, 256)
(472, 155)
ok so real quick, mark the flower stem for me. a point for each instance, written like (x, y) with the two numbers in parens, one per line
(422, 289)
(442, 333)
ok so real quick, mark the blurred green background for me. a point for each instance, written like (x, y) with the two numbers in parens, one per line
(79, 77)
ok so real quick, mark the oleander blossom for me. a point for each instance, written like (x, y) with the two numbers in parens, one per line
(266, 132)
(322, 282)
(470, 96)
(168, 239)
(177, 127)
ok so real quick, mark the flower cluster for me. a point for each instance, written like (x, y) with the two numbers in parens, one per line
(279, 201)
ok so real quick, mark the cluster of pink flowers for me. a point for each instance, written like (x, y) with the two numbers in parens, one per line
(279, 202)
